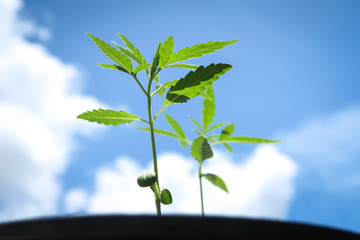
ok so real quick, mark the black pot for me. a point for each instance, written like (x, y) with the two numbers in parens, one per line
(165, 227)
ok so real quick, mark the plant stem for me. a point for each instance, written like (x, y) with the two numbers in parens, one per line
(201, 191)
(151, 121)
(138, 82)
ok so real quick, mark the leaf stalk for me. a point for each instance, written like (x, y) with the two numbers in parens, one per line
(138, 82)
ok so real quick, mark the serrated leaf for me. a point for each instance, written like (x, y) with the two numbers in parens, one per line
(113, 66)
(198, 50)
(146, 179)
(195, 82)
(166, 50)
(155, 63)
(227, 131)
(196, 124)
(187, 66)
(161, 131)
(175, 126)
(216, 180)
(139, 58)
(141, 67)
(127, 52)
(113, 53)
(200, 149)
(213, 127)
(208, 108)
(165, 197)
(108, 117)
(183, 141)
(252, 140)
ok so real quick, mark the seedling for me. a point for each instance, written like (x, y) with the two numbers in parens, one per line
(201, 147)
(178, 91)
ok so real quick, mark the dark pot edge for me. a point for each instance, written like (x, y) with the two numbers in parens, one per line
(152, 224)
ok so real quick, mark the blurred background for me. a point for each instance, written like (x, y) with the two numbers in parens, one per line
(295, 77)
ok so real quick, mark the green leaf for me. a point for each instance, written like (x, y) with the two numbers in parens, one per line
(141, 67)
(146, 179)
(228, 147)
(157, 79)
(108, 117)
(155, 63)
(127, 52)
(113, 66)
(175, 126)
(187, 66)
(196, 124)
(195, 82)
(139, 58)
(198, 50)
(227, 131)
(161, 131)
(216, 126)
(160, 89)
(184, 142)
(165, 197)
(211, 138)
(252, 140)
(200, 149)
(166, 50)
(113, 54)
(197, 132)
(216, 180)
(208, 108)
(167, 85)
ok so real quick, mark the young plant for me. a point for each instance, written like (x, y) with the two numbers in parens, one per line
(201, 147)
(178, 91)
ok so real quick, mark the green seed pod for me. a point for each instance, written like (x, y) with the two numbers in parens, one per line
(146, 179)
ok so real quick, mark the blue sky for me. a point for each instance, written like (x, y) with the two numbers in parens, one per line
(295, 77)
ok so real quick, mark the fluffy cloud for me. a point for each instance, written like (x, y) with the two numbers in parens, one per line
(261, 186)
(38, 106)
(327, 149)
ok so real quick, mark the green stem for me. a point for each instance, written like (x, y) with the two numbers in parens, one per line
(138, 82)
(152, 135)
(201, 191)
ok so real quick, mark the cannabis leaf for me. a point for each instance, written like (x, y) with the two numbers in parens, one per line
(155, 63)
(108, 117)
(208, 108)
(134, 52)
(198, 50)
(195, 82)
(113, 54)
(166, 51)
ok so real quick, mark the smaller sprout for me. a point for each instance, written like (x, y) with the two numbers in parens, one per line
(146, 179)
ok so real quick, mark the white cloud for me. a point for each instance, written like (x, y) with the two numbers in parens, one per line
(327, 148)
(38, 108)
(262, 186)
(75, 200)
